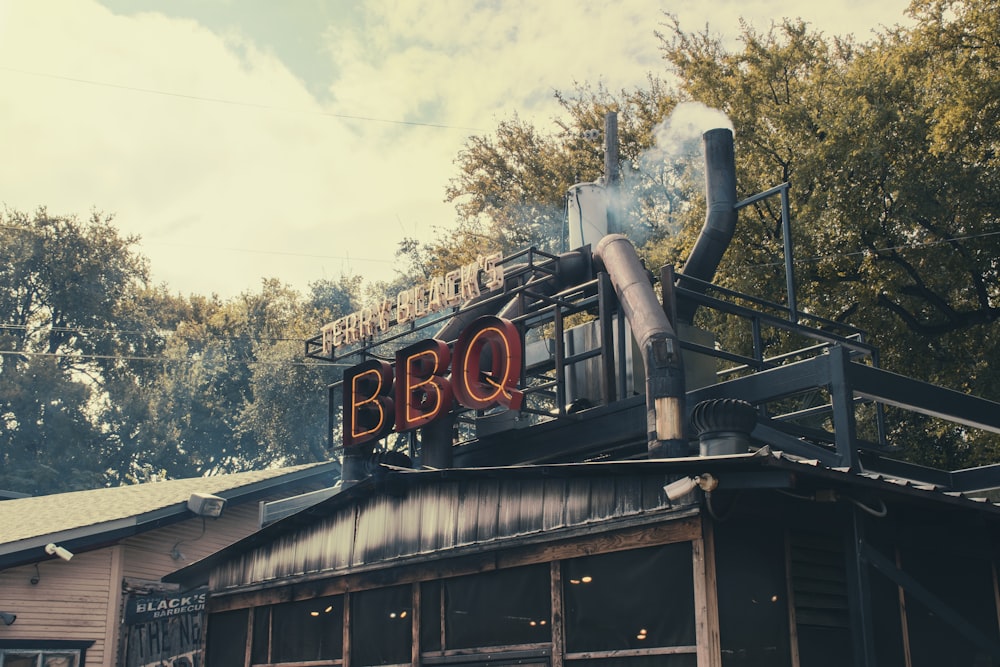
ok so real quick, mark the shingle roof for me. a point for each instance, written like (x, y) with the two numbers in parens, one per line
(97, 511)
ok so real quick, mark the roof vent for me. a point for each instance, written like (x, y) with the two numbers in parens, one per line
(723, 426)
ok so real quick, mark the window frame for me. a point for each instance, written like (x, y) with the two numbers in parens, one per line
(45, 646)
(688, 529)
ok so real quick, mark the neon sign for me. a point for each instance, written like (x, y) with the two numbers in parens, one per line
(485, 365)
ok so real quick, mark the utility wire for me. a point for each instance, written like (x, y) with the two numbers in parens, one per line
(145, 242)
(167, 334)
(112, 357)
(253, 105)
(866, 251)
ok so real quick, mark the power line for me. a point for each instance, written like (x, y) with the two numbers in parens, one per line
(25, 327)
(253, 105)
(144, 242)
(113, 357)
(866, 251)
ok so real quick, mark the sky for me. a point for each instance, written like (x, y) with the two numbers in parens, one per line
(302, 140)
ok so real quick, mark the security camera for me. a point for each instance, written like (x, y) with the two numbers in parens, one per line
(56, 550)
(7, 617)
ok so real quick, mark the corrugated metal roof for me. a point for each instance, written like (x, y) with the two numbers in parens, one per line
(403, 513)
(25, 521)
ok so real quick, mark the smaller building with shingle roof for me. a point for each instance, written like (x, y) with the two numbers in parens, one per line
(122, 540)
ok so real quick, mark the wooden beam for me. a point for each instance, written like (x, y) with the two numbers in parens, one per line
(558, 615)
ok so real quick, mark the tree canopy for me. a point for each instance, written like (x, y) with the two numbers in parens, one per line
(890, 147)
(105, 379)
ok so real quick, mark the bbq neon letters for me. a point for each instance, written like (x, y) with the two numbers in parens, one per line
(485, 367)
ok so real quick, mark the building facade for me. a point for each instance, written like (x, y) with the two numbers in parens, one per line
(69, 610)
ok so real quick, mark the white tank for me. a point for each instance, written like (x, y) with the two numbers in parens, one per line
(587, 211)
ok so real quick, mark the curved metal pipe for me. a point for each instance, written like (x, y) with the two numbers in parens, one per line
(720, 213)
(658, 342)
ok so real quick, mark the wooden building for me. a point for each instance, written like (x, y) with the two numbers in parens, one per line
(70, 562)
(633, 493)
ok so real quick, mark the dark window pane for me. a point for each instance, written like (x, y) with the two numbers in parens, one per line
(752, 589)
(227, 638)
(381, 629)
(307, 630)
(499, 608)
(430, 616)
(630, 599)
(965, 584)
(260, 644)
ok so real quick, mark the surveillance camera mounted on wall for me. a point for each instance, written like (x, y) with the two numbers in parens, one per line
(56, 550)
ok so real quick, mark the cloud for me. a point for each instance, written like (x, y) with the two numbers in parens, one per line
(217, 153)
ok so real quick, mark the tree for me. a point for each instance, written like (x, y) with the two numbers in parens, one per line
(235, 392)
(891, 150)
(72, 336)
(894, 183)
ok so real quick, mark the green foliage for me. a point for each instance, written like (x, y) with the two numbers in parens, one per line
(891, 148)
(235, 391)
(106, 380)
(891, 151)
(68, 326)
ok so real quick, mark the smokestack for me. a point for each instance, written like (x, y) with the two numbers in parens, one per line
(661, 349)
(720, 213)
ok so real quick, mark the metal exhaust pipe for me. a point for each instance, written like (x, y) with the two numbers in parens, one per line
(720, 214)
(660, 346)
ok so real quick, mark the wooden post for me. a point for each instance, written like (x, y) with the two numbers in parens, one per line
(558, 615)
(415, 621)
(706, 598)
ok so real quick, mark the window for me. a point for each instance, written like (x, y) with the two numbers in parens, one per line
(752, 585)
(307, 630)
(40, 659)
(381, 630)
(227, 638)
(631, 600)
(501, 608)
(32, 653)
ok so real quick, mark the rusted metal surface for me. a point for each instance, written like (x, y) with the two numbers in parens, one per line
(438, 518)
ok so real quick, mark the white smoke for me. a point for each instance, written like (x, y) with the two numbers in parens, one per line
(678, 136)
(660, 181)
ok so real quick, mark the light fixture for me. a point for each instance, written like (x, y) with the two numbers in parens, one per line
(685, 485)
(56, 550)
(7, 617)
(205, 504)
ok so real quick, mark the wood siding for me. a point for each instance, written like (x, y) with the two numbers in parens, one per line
(69, 602)
(147, 556)
(81, 599)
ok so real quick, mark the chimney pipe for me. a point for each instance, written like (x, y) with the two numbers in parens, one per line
(720, 213)
(658, 342)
